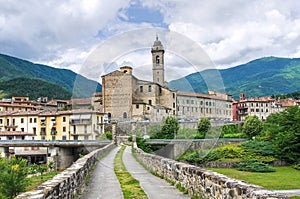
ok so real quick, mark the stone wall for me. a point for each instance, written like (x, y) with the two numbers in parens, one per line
(70, 182)
(200, 182)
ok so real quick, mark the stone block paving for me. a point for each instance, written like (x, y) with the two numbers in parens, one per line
(154, 187)
(104, 183)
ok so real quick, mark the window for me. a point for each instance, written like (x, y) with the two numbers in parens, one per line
(64, 119)
(157, 59)
(34, 130)
(150, 102)
(22, 120)
(141, 89)
(149, 88)
(124, 115)
(173, 95)
(137, 106)
(173, 105)
(85, 129)
(30, 120)
(34, 120)
(22, 129)
(64, 129)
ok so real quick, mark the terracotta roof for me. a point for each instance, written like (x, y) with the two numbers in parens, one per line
(81, 101)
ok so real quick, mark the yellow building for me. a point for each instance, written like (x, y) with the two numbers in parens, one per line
(51, 125)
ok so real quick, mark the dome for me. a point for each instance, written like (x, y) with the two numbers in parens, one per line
(157, 42)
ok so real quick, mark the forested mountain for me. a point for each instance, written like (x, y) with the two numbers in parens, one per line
(260, 77)
(34, 88)
(12, 68)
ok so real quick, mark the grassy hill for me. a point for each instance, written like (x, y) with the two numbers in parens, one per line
(12, 68)
(34, 88)
(260, 77)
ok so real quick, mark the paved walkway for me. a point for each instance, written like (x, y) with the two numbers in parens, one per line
(155, 188)
(104, 183)
(289, 193)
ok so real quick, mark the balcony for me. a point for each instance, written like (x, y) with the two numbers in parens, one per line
(243, 113)
(79, 133)
(80, 122)
(242, 107)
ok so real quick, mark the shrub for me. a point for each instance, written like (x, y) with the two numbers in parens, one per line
(253, 166)
(263, 148)
(296, 166)
(108, 135)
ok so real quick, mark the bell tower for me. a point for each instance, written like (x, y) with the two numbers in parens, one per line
(158, 62)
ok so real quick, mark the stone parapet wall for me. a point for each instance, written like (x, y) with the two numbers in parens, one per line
(69, 183)
(200, 182)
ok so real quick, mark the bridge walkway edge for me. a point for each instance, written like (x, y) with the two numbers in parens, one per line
(154, 187)
(103, 182)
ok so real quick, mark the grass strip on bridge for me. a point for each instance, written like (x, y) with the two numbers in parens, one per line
(130, 186)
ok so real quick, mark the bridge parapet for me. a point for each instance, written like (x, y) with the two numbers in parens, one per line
(70, 182)
(200, 182)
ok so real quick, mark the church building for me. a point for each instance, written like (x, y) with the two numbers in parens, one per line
(127, 98)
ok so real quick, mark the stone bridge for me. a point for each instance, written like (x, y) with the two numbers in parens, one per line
(195, 180)
(62, 153)
(173, 148)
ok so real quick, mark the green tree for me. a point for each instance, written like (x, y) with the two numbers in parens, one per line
(13, 175)
(203, 127)
(283, 130)
(252, 126)
(41, 169)
(169, 128)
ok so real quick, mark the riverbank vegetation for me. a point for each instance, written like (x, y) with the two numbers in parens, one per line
(278, 138)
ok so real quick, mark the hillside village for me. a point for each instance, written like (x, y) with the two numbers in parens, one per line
(125, 98)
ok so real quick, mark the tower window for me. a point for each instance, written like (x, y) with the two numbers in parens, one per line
(157, 59)
(141, 89)
(149, 88)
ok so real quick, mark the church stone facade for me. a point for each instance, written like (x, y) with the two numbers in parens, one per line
(126, 98)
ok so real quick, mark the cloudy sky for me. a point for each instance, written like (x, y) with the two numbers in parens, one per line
(71, 33)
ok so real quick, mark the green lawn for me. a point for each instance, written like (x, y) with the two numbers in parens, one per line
(38, 180)
(283, 179)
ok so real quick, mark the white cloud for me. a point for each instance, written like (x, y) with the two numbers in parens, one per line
(66, 33)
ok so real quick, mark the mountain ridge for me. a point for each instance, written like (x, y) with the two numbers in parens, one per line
(11, 68)
(259, 77)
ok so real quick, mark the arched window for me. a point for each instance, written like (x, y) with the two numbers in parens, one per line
(109, 116)
(124, 115)
(157, 59)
